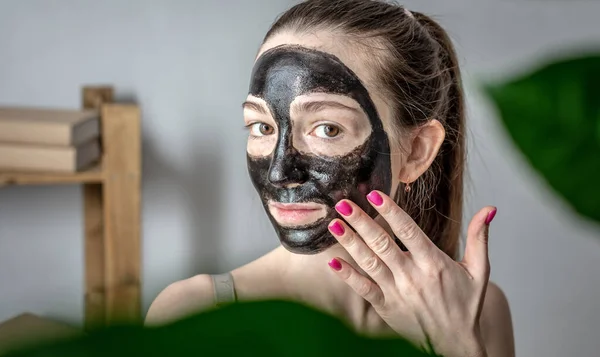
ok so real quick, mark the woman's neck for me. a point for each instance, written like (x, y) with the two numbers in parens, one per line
(305, 278)
(309, 279)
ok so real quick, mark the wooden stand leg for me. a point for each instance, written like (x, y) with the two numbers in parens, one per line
(112, 216)
(122, 210)
(95, 299)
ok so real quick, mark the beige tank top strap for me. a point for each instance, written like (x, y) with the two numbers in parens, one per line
(224, 288)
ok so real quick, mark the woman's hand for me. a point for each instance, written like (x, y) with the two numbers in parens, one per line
(423, 294)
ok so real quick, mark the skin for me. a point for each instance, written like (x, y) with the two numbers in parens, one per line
(416, 293)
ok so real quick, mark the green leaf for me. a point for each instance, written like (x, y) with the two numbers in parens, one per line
(267, 328)
(553, 117)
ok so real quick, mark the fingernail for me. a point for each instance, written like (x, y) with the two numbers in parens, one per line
(490, 216)
(375, 198)
(337, 228)
(335, 264)
(344, 208)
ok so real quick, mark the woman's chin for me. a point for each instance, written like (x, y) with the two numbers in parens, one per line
(306, 240)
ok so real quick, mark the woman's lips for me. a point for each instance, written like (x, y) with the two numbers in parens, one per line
(296, 214)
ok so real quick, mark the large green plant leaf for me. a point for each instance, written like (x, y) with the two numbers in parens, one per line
(267, 328)
(553, 116)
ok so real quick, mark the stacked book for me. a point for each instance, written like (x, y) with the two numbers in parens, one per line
(48, 140)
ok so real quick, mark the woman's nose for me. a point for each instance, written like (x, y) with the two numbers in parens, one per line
(286, 168)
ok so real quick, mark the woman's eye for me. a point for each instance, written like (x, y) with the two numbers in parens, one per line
(327, 131)
(261, 129)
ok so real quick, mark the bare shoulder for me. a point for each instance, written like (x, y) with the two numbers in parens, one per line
(496, 323)
(196, 294)
(181, 299)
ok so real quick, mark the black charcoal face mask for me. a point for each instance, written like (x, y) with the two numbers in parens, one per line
(289, 176)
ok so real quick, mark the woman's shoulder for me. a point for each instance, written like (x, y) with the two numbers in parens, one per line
(496, 322)
(195, 294)
(180, 299)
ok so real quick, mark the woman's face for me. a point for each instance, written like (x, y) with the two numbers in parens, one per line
(316, 136)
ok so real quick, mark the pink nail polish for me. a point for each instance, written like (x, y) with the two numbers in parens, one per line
(490, 216)
(337, 228)
(375, 198)
(344, 208)
(335, 264)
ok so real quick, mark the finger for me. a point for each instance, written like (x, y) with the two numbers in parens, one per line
(403, 226)
(366, 259)
(375, 237)
(476, 256)
(362, 285)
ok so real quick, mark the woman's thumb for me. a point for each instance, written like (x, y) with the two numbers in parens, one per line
(476, 251)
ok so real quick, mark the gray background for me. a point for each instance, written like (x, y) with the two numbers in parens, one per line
(188, 64)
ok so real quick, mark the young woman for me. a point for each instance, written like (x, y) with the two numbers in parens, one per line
(356, 147)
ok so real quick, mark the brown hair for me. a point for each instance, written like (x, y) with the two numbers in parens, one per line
(419, 73)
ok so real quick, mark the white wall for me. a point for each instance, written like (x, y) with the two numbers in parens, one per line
(188, 65)
(187, 62)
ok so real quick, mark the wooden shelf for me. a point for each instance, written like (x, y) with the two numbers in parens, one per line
(91, 175)
(112, 212)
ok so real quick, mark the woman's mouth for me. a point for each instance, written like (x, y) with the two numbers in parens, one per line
(297, 214)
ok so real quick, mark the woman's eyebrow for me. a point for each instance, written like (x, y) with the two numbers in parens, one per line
(306, 107)
(254, 106)
(315, 106)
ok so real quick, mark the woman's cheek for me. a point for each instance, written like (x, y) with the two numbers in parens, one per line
(261, 146)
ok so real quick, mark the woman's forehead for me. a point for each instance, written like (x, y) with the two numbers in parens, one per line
(330, 43)
(325, 42)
